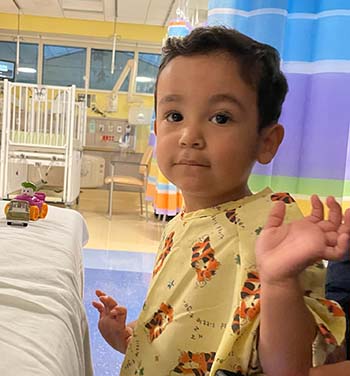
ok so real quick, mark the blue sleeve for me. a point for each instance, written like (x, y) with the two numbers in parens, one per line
(338, 281)
(338, 289)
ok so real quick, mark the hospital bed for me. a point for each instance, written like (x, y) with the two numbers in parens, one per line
(43, 324)
(43, 128)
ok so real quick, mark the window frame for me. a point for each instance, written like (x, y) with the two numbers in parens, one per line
(63, 46)
(79, 42)
(138, 60)
(34, 42)
(117, 50)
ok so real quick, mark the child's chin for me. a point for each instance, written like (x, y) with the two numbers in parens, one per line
(195, 189)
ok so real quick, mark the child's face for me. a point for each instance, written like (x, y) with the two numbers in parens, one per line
(206, 124)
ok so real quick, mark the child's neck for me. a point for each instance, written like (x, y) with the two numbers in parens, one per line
(197, 202)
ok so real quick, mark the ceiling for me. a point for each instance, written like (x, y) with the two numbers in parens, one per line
(148, 12)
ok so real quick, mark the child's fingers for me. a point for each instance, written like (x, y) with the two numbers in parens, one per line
(342, 247)
(104, 302)
(327, 226)
(119, 310)
(100, 293)
(111, 301)
(99, 306)
(335, 211)
(276, 215)
(331, 238)
(343, 242)
(344, 228)
(347, 218)
(108, 302)
(317, 211)
(128, 340)
(337, 252)
(119, 313)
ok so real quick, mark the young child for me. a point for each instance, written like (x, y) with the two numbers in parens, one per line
(219, 303)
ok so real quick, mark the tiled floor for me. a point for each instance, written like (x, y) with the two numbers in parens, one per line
(127, 231)
(118, 259)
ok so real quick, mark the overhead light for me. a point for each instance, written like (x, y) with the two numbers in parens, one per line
(26, 70)
(144, 79)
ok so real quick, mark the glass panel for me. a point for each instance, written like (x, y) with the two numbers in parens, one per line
(28, 58)
(100, 69)
(147, 72)
(64, 66)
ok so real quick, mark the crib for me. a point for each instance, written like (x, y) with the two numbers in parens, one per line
(43, 130)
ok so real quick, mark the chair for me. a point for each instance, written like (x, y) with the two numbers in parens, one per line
(130, 181)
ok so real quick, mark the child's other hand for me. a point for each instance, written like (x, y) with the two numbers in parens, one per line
(112, 322)
(285, 250)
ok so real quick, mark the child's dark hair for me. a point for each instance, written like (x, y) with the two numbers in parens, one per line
(259, 64)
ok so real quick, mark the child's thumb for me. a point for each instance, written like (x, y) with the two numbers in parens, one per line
(276, 215)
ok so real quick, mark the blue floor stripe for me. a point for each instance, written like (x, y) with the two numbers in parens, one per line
(119, 260)
(128, 287)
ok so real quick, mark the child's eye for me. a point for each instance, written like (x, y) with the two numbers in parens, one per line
(174, 117)
(221, 119)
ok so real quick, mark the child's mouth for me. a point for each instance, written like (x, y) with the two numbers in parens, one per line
(190, 162)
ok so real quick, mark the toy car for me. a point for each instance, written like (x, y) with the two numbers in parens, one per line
(36, 200)
(17, 213)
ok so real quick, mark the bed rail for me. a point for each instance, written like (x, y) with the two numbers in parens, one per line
(39, 115)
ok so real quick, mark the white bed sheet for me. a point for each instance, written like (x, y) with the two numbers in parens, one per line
(43, 324)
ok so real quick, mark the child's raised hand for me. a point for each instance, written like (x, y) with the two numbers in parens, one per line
(285, 250)
(112, 322)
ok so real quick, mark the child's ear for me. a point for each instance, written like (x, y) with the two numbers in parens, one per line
(270, 140)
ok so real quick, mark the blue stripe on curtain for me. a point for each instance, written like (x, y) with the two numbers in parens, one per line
(300, 39)
(314, 6)
(248, 5)
(321, 39)
(295, 6)
(255, 26)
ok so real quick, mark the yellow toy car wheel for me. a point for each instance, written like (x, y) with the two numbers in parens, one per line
(34, 213)
(44, 210)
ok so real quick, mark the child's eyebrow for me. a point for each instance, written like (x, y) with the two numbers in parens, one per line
(171, 98)
(226, 98)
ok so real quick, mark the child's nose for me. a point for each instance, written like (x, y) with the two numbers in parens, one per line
(192, 137)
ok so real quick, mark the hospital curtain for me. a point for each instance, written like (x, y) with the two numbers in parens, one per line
(312, 38)
(165, 196)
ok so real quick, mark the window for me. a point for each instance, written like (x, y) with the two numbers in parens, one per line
(100, 69)
(147, 72)
(64, 66)
(28, 58)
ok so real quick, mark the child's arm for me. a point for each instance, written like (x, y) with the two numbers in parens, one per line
(287, 328)
(112, 322)
(337, 369)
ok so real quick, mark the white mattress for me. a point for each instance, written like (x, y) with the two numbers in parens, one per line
(43, 325)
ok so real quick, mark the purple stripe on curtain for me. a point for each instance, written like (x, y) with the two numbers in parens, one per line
(152, 139)
(347, 172)
(316, 117)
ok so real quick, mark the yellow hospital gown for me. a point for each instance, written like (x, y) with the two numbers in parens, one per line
(201, 313)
